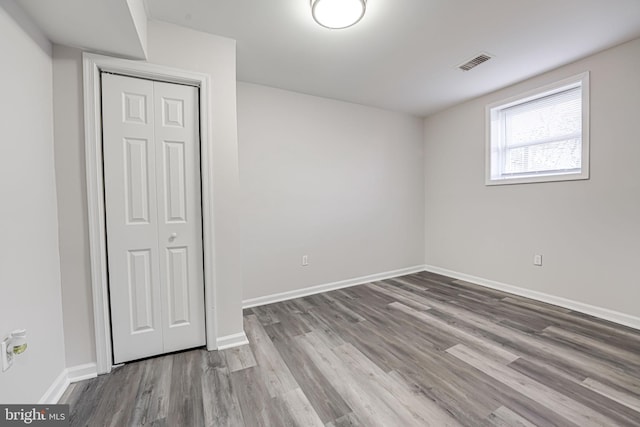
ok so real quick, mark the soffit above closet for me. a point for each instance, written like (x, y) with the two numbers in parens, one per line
(115, 27)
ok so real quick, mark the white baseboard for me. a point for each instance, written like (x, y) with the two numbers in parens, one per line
(82, 372)
(56, 390)
(230, 341)
(283, 296)
(602, 313)
(66, 377)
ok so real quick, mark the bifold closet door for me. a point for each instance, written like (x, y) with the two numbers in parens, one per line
(151, 157)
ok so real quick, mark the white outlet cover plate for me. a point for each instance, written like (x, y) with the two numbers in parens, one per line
(7, 359)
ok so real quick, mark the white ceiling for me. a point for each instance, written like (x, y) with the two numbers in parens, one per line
(403, 54)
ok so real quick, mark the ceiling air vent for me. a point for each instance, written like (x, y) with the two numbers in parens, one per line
(472, 63)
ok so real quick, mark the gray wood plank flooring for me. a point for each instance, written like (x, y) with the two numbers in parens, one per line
(419, 350)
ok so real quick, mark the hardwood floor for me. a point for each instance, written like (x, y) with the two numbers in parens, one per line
(421, 350)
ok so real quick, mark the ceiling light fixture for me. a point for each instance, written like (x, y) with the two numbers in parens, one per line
(338, 14)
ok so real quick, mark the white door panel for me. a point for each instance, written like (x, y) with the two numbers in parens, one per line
(154, 235)
(180, 219)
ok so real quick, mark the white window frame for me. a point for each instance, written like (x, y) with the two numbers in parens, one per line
(550, 89)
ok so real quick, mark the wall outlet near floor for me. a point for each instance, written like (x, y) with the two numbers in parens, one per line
(537, 260)
(305, 260)
(7, 358)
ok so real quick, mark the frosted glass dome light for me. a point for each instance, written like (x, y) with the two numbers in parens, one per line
(338, 14)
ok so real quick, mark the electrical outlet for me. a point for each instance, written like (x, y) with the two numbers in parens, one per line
(7, 358)
(305, 260)
(537, 260)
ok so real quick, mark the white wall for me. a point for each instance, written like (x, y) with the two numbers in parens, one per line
(339, 182)
(77, 298)
(179, 48)
(587, 231)
(29, 260)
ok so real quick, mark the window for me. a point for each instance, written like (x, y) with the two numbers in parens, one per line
(540, 136)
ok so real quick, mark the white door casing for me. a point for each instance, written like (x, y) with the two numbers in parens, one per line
(153, 216)
(93, 66)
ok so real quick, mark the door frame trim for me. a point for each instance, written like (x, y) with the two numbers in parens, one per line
(93, 65)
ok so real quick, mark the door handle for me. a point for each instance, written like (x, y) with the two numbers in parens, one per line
(173, 236)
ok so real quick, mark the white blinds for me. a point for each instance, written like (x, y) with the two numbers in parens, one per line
(544, 134)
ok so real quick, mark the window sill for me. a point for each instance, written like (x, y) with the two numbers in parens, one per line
(537, 179)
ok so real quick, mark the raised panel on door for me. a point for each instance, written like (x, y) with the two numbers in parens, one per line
(136, 180)
(129, 156)
(178, 286)
(140, 291)
(179, 215)
(175, 182)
